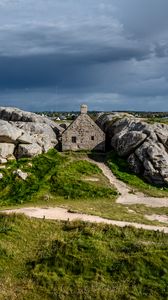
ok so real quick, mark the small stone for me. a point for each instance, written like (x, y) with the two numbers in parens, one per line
(20, 174)
(30, 164)
(11, 157)
(6, 149)
(2, 167)
(3, 160)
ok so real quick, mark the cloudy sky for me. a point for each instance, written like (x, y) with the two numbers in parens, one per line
(110, 54)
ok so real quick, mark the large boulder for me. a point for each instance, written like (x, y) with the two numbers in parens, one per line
(154, 159)
(15, 115)
(39, 133)
(126, 143)
(9, 133)
(135, 164)
(105, 120)
(145, 146)
(26, 134)
(113, 123)
(31, 150)
(25, 138)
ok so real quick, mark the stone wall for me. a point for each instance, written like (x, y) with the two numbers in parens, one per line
(83, 134)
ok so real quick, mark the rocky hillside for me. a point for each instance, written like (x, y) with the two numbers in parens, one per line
(145, 146)
(25, 134)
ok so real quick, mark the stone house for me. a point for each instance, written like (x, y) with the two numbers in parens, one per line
(83, 134)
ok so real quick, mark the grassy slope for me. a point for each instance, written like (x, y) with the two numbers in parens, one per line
(120, 168)
(51, 260)
(52, 174)
(46, 260)
(57, 179)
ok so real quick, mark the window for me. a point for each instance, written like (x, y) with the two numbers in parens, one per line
(74, 139)
(92, 137)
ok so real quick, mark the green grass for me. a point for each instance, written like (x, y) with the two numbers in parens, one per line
(57, 179)
(42, 259)
(157, 120)
(67, 182)
(52, 173)
(120, 169)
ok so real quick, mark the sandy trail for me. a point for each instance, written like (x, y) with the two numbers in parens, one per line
(125, 196)
(58, 213)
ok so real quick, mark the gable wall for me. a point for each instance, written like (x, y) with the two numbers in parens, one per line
(83, 128)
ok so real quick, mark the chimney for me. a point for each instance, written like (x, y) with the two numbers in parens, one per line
(84, 109)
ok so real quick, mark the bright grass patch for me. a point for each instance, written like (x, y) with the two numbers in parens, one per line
(51, 173)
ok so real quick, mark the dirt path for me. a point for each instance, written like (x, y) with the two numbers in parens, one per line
(125, 196)
(57, 213)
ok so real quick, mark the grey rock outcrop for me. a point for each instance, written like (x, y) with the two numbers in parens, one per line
(18, 115)
(24, 150)
(26, 134)
(9, 133)
(145, 146)
(125, 143)
(39, 133)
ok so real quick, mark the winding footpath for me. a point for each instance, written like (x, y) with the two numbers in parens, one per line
(125, 196)
(58, 213)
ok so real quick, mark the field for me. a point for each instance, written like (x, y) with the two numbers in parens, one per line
(69, 181)
(158, 120)
(41, 259)
(46, 260)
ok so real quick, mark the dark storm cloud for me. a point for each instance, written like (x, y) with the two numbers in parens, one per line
(66, 70)
(111, 53)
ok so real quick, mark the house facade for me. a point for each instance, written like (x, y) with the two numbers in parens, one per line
(83, 134)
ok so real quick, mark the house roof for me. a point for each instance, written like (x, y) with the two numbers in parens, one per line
(89, 119)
